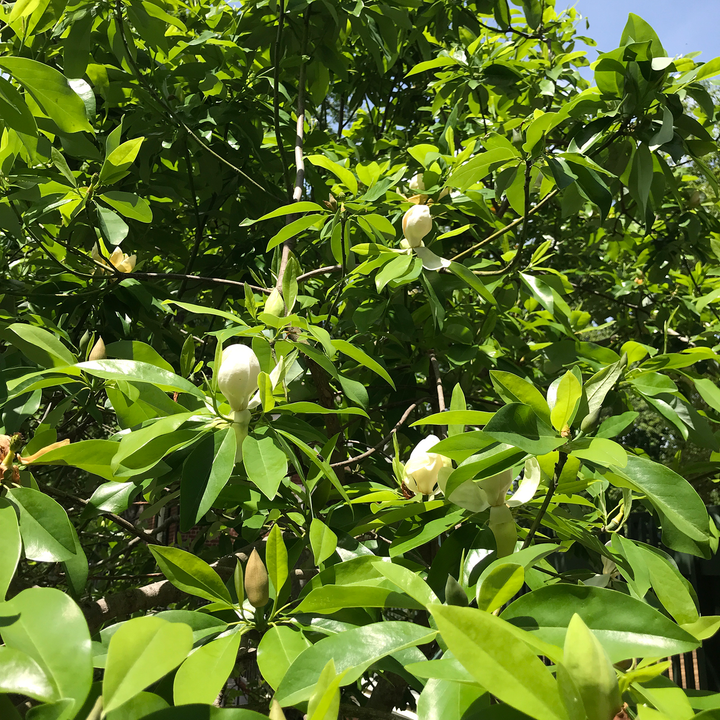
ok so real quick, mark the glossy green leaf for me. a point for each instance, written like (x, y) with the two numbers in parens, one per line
(343, 174)
(353, 650)
(49, 624)
(446, 700)
(279, 646)
(93, 456)
(407, 581)
(504, 665)
(119, 160)
(205, 473)
(323, 541)
(626, 627)
(129, 205)
(363, 358)
(265, 464)
(684, 519)
(10, 543)
(517, 424)
(21, 675)
(460, 417)
(567, 398)
(499, 586)
(513, 389)
(44, 526)
(139, 706)
(52, 92)
(130, 370)
(330, 599)
(190, 574)
(276, 559)
(38, 345)
(204, 674)
(141, 652)
(204, 712)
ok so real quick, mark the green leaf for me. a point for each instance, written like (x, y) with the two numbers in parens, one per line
(205, 473)
(203, 712)
(93, 456)
(190, 574)
(265, 464)
(625, 626)
(114, 229)
(456, 417)
(11, 545)
(138, 351)
(279, 646)
(353, 650)
(21, 675)
(446, 700)
(438, 62)
(119, 160)
(333, 598)
(567, 399)
(408, 581)
(503, 664)
(638, 31)
(52, 631)
(204, 674)
(291, 209)
(517, 424)
(129, 205)
(140, 653)
(499, 586)
(343, 174)
(323, 541)
(130, 370)
(363, 358)
(310, 408)
(683, 516)
(475, 169)
(15, 112)
(139, 706)
(600, 451)
(276, 559)
(44, 525)
(600, 384)
(512, 389)
(52, 92)
(292, 229)
(38, 345)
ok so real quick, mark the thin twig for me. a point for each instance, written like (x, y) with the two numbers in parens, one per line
(198, 278)
(379, 445)
(551, 491)
(122, 522)
(438, 381)
(199, 223)
(319, 271)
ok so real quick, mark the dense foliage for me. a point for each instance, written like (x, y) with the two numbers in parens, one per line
(252, 256)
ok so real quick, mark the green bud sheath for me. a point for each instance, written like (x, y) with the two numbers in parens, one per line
(257, 585)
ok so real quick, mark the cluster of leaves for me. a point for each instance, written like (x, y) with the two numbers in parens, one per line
(256, 161)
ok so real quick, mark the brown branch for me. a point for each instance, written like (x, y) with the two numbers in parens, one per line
(379, 445)
(438, 382)
(319, 271)
(198, 278)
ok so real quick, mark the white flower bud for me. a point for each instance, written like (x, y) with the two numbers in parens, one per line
(496, 487)
(416, 224)
(238, 375)
(417, 183)
(98, 351)
(423, 468)
(275, 305)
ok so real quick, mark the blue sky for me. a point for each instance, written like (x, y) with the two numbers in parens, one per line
(683, 26)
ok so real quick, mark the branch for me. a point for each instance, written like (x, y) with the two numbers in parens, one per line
(299, 159)
(438, 381)
(319, 271)
(122, 522)
(199, 223)
(507, 228)
(199, 278)
(377, 447)
(551, 491)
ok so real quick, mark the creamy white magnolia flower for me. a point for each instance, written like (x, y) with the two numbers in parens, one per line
(417, 183)
(119, 260)
(423, 468)
(238, 375)
(416, 224)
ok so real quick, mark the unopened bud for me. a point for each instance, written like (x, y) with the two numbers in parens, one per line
(275, 305)
(98, 351)
(238, 375)
(454, 594)
(257, 585)
(417, 223)
(590, 421)
(276, 712)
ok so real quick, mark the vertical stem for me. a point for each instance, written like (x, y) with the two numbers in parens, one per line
(277, 52)
(299, 159)
(437, 380)
(551, 491)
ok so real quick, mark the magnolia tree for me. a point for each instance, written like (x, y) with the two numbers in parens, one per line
(342, 343)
